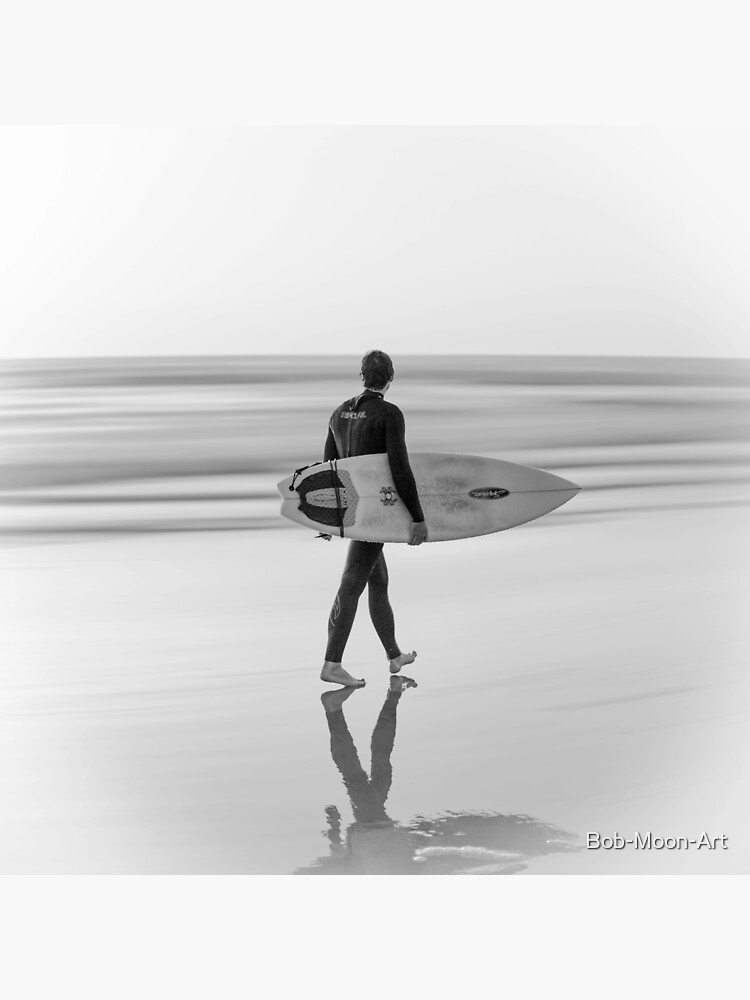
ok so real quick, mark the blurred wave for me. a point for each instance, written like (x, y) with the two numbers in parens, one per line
(164, 444)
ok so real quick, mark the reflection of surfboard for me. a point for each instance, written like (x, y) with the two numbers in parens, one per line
(461, 496)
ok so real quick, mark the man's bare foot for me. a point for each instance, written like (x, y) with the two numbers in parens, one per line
(400, 661)
(334, 673)
(399, 684)
(333, 700)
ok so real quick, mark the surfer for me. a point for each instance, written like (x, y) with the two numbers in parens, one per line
(368, 425)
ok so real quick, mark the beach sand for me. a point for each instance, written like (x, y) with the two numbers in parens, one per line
(162, 709)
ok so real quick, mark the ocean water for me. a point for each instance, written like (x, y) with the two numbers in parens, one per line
(582, 674)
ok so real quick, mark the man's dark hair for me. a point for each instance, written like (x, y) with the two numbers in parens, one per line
(377, 369)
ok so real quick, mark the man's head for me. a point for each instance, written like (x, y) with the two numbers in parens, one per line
(376, 370)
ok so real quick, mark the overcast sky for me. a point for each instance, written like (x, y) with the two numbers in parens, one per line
(199, 240)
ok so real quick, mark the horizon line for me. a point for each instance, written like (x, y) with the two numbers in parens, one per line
(345, 354)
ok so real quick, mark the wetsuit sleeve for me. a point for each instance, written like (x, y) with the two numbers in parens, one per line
(330, 451)
(398, 458)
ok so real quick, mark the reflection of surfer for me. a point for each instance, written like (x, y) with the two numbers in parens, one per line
(373, 839)
(472, 843)
(368, 425)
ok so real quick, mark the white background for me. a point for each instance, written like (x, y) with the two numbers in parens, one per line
(234, 239)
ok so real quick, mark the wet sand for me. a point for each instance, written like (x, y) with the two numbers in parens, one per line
(588, 673)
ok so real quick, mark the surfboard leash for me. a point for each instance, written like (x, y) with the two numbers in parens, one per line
(339, 508)
(298, 472)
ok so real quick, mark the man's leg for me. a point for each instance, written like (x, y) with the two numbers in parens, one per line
(381, 614)
(381, 611)
(367, 805)
(360, 560)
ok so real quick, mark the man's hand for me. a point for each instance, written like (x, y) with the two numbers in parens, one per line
(418, 533)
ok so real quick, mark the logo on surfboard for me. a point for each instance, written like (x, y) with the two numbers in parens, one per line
(389, 495)
(488, 493)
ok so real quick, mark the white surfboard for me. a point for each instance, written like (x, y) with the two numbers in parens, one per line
(461, 496)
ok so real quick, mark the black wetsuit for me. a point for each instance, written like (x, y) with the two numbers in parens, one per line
(368, 425)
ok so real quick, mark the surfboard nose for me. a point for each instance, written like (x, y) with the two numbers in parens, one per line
(564, 484)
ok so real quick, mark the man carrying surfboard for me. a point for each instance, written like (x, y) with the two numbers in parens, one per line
(369, 425)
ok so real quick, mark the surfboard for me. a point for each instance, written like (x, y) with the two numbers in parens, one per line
(461, 495)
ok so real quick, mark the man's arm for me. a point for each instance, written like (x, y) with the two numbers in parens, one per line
(403, 477)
